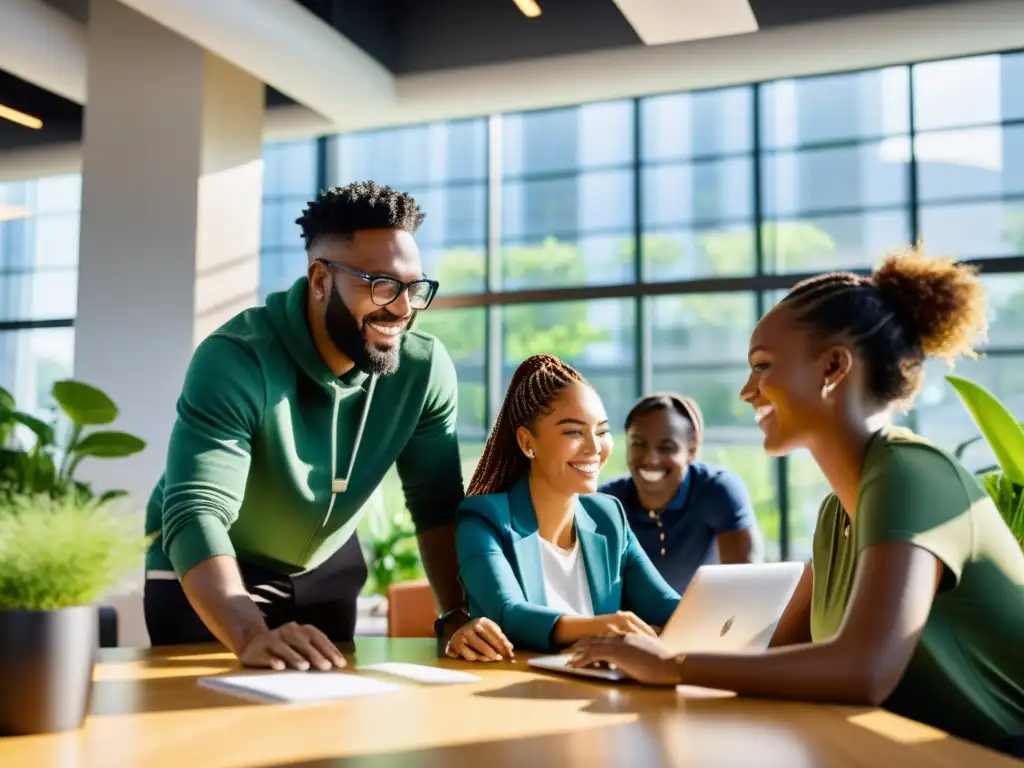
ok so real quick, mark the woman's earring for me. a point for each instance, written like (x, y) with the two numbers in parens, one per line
(529, 453)
(826, 390)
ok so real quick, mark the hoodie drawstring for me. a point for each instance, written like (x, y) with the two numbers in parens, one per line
(340, 484)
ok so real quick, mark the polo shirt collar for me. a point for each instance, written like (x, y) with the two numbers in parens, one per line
(676, 504)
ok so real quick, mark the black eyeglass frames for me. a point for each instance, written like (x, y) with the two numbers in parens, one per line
(385, 290)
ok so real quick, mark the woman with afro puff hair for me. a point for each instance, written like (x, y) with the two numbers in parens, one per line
(914, 598)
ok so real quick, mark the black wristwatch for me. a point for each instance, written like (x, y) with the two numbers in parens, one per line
(446, 617)
(442, 622)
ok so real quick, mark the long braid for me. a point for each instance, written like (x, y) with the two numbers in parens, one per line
(534, 385)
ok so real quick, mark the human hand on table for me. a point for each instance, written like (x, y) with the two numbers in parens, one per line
(623, 623)
(299, 646)
(641, 657)
(479, 640)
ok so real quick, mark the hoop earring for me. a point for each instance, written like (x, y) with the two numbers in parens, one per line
(826, 390)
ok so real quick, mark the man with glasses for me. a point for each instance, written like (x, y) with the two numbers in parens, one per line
(289, 418)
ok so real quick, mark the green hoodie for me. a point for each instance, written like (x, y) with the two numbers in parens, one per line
(260, 420)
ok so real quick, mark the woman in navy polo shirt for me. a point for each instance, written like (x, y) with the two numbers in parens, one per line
(680, 508)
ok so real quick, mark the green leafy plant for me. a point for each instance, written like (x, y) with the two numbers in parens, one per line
(1004, 482)
(48, 467)
(63, 552)
(389, 544)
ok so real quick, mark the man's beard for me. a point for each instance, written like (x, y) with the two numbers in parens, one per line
(350, 338)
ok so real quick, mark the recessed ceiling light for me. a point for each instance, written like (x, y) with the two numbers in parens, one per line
(20, 118)
(13, 212)
(660, 22)
(529, 8)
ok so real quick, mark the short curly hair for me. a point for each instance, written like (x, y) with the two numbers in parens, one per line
(910, 308)
(343, 211)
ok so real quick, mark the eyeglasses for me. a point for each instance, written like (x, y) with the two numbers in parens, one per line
(386, 290)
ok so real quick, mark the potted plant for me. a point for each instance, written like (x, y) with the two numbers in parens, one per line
(58, 555)
(1005, 436)
(48, 467)
(390, 549)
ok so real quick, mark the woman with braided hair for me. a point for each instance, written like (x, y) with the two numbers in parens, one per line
(914, 597)
(541, 553)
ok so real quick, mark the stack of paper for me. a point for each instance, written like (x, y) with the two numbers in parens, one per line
(418, 673)
(298, 687)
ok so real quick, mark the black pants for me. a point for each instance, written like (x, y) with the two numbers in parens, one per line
(324, 597)
(1013, 746)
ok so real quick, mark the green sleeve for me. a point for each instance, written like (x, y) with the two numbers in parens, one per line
(429, 466)
(219, 412)
(914, 493)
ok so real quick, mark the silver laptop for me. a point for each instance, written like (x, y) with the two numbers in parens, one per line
(725, 608)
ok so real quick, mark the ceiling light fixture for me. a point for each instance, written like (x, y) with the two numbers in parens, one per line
(20, 118)
(13, 212)
(529, 8)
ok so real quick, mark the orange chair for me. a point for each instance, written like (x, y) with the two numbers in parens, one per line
(411, 609)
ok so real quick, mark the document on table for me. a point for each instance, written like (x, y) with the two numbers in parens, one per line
(419, 673)
(298, 687)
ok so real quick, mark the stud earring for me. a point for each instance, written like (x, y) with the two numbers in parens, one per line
(530, 454)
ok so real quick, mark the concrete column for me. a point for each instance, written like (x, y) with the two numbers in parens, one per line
(169, 249)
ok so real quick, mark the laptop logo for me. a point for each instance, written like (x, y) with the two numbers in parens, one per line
(726, 627)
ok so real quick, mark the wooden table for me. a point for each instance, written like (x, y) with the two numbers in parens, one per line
(149, 712)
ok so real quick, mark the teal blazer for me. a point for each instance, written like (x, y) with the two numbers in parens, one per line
(500, 565)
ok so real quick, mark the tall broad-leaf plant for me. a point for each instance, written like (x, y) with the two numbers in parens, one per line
(1005, 436)
(48, 463)
(388, 537)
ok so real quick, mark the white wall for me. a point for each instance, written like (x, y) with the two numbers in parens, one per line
(42, 45)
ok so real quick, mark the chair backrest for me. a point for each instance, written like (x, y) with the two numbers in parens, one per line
(411, 609)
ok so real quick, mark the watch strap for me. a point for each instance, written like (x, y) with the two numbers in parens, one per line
(439, 628)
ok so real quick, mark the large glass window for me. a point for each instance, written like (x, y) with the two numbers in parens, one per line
(464, 335)
(442, 165)
(596, 337)
(290, 180)
(969, 151)
(39, 222)
(967, 92)
(640, 239)
(31, 360)
(697, 184)
(834, 170)
(835, 109)
(567, 196)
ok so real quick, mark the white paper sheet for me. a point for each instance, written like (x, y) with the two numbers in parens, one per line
(418, 673)
(298, 687)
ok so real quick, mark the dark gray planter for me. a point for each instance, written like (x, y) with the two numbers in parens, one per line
(46, 665)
